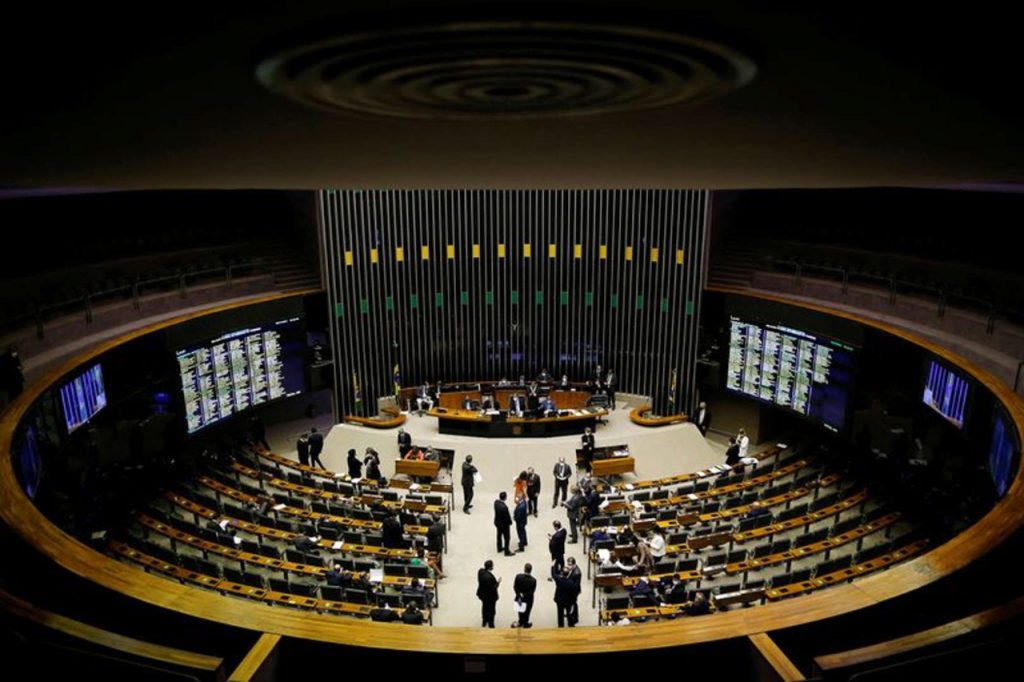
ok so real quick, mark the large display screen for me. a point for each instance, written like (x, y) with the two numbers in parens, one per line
(240, 369)
(807, 373)
(82, 397)
(945, 391)
(1002, 453)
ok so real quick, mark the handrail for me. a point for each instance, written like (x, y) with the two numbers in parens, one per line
(29, 523)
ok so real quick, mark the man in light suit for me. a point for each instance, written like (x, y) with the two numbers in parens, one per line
(702, 418)
(563, 472)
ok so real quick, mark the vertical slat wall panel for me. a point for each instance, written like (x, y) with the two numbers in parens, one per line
(637, 316)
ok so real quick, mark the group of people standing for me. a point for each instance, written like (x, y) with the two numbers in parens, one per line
(568, 579)
(309, 446)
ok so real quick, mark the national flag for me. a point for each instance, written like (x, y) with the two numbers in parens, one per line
(397, 378)
(672, 388)
(356, 391)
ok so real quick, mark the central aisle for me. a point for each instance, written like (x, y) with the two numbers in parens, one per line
(658, 452)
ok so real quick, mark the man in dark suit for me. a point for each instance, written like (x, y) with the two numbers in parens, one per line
(435, 535)
(556, 545)
(467, 402)
(316, 446)
(532, 490)
(516, 405)
(487, 592)
(609, 384)
(404, 442)
(702, 418)
(576, 576)
(412, 615)
(258, 432)
(468, 472)
(565, 595)
(502, 523)
(588, 448)
(520, 515)
(302, 448)
(384, 615)
(391, 529)
(732, 454)
(525, 586)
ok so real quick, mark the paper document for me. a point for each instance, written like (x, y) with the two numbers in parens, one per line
(520, 606)
(376, 575)
(477, 478)
(336, 545)
(278, 507)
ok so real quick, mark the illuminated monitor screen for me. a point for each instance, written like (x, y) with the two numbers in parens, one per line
(807, 373)
(83, 397)
(945, 391)
(240, 369)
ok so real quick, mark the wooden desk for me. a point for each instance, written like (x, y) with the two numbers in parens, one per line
(415, 467)
(470, 423)
(613, 466)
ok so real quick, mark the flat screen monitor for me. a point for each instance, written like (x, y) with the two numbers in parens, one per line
(807, 373)
(83, 397)
(946, 392)
(241, 369)
(1003, 452)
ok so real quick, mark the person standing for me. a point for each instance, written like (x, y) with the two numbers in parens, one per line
(572, 510)
(487, 592)
(520, 514)
(355, 467)
(256, 428)
(588, 448)
(563, 472)
(609, 384)
(743, 441)
(732, 453)
(316, 446)
(502, 523)
(575, 575)
(564, 595)
(302, 448)
(525, 586)
(468, 480)
(702, 418)
(404, 442)
(391, 530)
(532, 489)
(556, 545)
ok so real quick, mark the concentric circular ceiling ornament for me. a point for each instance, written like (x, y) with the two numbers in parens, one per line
(504, 70)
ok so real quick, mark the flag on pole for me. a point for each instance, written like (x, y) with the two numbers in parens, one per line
(356, 391)
(672, 389)
(398, 381)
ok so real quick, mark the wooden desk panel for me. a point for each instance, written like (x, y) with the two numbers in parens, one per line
(614, 466)
(416, 467)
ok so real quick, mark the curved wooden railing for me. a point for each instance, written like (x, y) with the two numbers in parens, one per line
(636, 416)
(25, 519)
(390, 418)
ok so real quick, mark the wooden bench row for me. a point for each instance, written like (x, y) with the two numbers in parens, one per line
(248, 591)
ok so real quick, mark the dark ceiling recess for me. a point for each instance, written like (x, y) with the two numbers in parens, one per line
(504, 69)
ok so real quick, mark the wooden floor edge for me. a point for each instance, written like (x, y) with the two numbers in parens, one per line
(776, 658)
(107, 639)
(253, 662)
(920, 639)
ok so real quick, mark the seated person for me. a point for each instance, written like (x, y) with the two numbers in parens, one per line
(504, 382)
(699, 606)
(423, 559)
(489, 403)
(674, 590)
(335, 576)
(642, 589)
(412, 615)
(305, 543)
(517, 405)
(415, 589)
(468, 403)
(564, 383)
(423, 399)
(756, 509)
(431, 454)
(384, 615)
(547, 407)
(544, 377)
